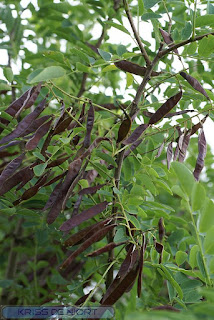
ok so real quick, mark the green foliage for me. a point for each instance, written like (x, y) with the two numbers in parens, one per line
(80, 175)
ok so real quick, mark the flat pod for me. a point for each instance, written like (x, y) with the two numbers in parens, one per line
(202, 149)
(11, 168)
(86, 232)
(56, 207)
(89, 126)
(94, 238)
(24, 124)
(165, 108)
(124, 129)
(40, 132)
(83, 216)
(168, 39)
(132, 147)
(194, 83)
(169, 154)
(110, 246)
(26, 100)
(134, 68)
(136, 134)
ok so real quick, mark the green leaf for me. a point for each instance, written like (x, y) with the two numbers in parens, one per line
(150, 15)
(8, 73)
(81, 67)
(121, 49)
(129, 79)
(105, 55)
(84, 183)
(150, 3)
(192, 48)
(39, 156)
(185, 177)
(164, 185)
(46, 74)
(4, 86)
(198, 196)
(206, 46)
(111, 67)
(118, 26)
(64, 7)
(200, 263)
(39, 169)
(208, 241)
(80, 54)
(177, 190)
(6, 283)
(210, 8)
(206, 20)
(140, 7)
(106, 157)
(207, 216)
(180, 257)
(172, 281)
(9, 211)
(134, 221)
(186, 31)
(147, 182)
(120, 235)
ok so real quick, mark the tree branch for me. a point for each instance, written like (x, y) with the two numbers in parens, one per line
(137, 37)
(117, 174)
(183, 43)
(134, 108)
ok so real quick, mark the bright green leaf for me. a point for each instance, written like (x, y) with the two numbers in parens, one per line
(192, 48)
(150, 3)
(105, 156)
(46, 74)
(198, 196)
(207, 216)
(150, 15)
(186, 31)
(205, 20)
(206, 46)
(8, 73)
(4, 86)
(208, 242)
(118, 26)
(39, 169)
(200, 263)
(111, 67)
(180, 257)
(121, 49)
(81, 67)
(129, 79)
(105, 55)
(185, 176)
(140, 7)
(80, 54)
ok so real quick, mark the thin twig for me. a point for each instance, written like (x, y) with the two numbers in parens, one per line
(137, 37)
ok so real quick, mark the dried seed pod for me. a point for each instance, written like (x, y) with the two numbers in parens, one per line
(169, 154)
(124, 129)
(134, 68)
(89, 126)
(202, 149)
(194, 83)
(165, 108)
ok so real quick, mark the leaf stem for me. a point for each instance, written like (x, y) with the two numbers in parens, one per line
(194, 19)
(201, 249)
(85, 100)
